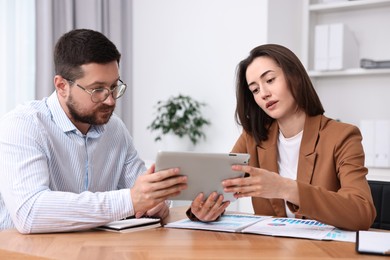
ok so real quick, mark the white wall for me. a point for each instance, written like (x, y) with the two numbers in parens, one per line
(192, 47)
(285, 20)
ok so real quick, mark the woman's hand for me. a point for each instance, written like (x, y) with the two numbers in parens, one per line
(262, 183)
(209, 209)
(161, 210)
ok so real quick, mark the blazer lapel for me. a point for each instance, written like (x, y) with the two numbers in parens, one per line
(268, 151)
(307, 154)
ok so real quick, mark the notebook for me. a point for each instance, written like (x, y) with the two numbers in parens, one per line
(131, 225)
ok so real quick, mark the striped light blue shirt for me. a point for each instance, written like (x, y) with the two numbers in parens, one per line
(53, 178)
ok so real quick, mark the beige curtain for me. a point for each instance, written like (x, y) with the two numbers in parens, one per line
(111, 17)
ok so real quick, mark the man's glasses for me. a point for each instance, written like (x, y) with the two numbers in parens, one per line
(100, 94)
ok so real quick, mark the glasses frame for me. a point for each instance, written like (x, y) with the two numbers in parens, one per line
(110, 91)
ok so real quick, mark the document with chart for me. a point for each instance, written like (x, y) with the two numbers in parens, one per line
(227, 223)
(291, 227)
(263, 225)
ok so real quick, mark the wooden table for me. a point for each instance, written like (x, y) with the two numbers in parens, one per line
(165, 243)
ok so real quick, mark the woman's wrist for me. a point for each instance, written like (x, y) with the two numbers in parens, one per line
(290, 191)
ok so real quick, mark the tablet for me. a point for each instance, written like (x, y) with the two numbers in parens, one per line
(373, 242)
(205, 171)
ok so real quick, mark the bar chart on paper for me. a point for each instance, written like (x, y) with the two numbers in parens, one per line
(293, 221)
(291, 227)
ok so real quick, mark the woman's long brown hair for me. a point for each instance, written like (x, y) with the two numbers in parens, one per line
(248, 113)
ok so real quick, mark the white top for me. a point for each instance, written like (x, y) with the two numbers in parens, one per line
(288, 158)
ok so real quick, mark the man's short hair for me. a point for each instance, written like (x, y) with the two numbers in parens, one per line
(79, 47)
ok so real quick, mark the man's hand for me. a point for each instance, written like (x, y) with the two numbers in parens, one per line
(153, 188)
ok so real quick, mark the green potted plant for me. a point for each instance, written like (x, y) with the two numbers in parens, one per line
(181, 116)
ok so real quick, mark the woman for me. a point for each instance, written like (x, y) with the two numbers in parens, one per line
(302, 164)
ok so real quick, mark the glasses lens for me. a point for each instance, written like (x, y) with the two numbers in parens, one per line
(119, 91)
(99, 95)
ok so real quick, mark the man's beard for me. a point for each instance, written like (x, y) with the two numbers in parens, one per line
(92, 117)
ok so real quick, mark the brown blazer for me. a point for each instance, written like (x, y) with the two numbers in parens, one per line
(331, 175)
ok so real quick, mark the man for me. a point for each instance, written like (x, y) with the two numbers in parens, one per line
(67, 162)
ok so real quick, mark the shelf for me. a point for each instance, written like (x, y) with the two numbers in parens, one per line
(347, 5)
(378, 174)
(349, 72)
